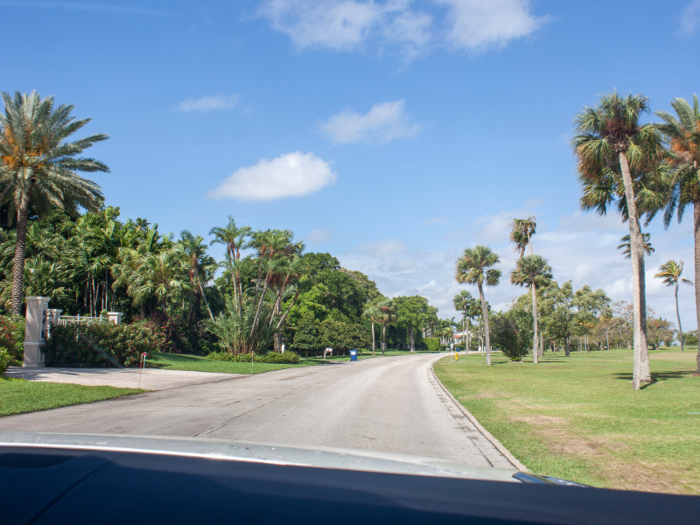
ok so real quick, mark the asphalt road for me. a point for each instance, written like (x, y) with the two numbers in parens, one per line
(390, 404)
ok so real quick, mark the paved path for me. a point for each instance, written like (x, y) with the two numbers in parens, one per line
(150, 378)
(389, 404)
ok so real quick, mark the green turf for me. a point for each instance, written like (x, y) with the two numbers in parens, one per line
(578, 417)
(18, 396)
(197, 363)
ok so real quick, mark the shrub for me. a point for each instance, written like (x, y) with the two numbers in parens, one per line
(102, 344)
(182, 337)
(288, 358)
(4, 361)
(12, 337)
(433, 343)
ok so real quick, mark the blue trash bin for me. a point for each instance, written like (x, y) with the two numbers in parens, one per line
(353, 355)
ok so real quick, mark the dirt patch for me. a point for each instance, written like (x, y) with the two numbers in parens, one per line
(624, 474)
(488, 395)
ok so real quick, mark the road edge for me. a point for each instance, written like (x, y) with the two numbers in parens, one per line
(499, 446)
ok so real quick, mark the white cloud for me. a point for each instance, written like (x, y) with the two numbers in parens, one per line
(582, 247)
(319, 236)
(208, 103)
(690, 18)
(291, 175)
(382, 123)
(477, 25)
(345, 25)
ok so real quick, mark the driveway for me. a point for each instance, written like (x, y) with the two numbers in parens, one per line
(389, 404)
(148, 379)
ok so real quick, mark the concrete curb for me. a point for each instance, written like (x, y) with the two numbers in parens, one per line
(499, 446)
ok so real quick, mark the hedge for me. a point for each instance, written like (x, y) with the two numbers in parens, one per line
(288, 358)
(101, 344)
(12, 337)
(433, 343)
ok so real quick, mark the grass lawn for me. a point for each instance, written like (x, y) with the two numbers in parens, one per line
(578, 418)
(198, 363)
(18, 396)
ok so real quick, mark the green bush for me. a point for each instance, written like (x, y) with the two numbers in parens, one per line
(102, 344)
(4, 361)
(12, 337)
(433, 343)
(288, 358)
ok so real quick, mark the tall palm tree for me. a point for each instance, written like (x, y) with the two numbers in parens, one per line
(387, 317)
(38, 167)
(476, 267)
(195, 252)
(234, 238)
(611, 141)
(465, 303)
(682, 134)
(671, 274)
(625, 245)
(374, 314)
(532, 271)
(521, 233)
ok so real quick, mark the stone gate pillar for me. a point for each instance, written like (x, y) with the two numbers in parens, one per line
(114, 317)
(35, 332)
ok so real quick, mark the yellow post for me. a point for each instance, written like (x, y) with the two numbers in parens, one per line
(456, 356)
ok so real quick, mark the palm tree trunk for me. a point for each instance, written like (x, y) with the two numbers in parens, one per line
(374, 339)
(535, 345)
(696, 225)
(383, 338)
(678, 316)
(567, 348)
(201, 290)
(485, 313)
(640, 372)
(413, 343)
(20, 253)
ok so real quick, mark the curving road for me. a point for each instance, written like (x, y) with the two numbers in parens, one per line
(390, 404)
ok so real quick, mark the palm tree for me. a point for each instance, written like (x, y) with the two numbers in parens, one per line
(521, 233)
(671, 274)
(682, 134)
(374, 314)
(387, 317)
(532, 271)
(234, 238)
(465, 303)
(38, 168)
(625, 245)
(611, 141)
(476, 267)
(195, 252)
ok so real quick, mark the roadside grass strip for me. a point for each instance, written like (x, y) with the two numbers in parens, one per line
(578, 418)
(196, 363)
(18, 396)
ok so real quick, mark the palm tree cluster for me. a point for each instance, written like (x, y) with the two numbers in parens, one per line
(640, 169)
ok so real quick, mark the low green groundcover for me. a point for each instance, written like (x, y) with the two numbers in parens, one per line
(290, 358)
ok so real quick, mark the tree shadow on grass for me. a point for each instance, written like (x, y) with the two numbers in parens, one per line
(656, 376)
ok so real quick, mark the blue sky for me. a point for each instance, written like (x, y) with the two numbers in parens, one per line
(391, 134)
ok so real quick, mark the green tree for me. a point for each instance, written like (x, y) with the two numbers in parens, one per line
(682, 135)
(476, 267)
(468, 305)
(411, 313)
(38, 167)
(559, 312)
(521, 233)
(611, 141)
(671, 273)
(532, 271)
(388, 317)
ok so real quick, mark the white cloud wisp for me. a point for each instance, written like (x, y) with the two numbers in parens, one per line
(382, 123)
(290, 175)
(690, 18)
(351, 25)
(208, 103)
